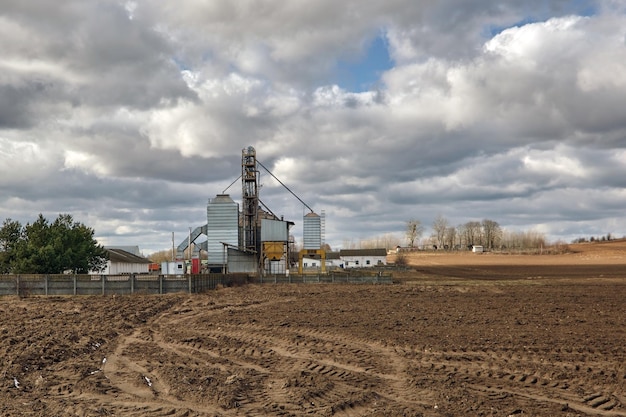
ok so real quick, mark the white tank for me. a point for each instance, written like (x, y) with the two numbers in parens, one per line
(222, 215)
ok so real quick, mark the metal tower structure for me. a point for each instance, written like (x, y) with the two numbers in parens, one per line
(250, 196)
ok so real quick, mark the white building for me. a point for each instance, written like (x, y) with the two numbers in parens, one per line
(348, 258)
(122, 262)
(363, 258)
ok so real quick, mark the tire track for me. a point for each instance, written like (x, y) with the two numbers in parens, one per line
(531, 377)
(334, 367)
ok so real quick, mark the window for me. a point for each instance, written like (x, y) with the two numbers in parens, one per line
(356, 262)
(367, 262)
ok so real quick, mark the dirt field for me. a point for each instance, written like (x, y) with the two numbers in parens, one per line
(459, 335)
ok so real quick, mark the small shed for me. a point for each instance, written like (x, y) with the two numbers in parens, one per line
(477, 249)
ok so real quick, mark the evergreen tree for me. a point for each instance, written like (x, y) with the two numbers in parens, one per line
(50, 248)
(10, 235)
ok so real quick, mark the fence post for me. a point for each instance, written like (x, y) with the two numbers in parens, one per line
(17, 285)
(45, 284)
(189, 282)
(132, 283)
(160, 284)
(103, 281)
(74, 284)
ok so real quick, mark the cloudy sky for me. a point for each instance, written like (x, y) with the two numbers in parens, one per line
(130, 115)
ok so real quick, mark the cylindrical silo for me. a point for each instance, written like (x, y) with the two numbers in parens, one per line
(312, 231)
(222, 227)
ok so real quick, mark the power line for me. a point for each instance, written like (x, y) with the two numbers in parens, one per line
(231, 184)
(287, 188)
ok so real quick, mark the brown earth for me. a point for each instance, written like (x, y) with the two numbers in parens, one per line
(458, 335)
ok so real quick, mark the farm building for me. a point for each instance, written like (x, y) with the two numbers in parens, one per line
(349, 258)
(123, 262)
(363, 258)
(333, 260)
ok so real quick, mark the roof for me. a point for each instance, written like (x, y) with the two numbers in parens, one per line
(363, 252)
(130, 249)
(121, 256)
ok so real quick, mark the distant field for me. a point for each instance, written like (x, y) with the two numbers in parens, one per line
(604, 260)
(460, 334)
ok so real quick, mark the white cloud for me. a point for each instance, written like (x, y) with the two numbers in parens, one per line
(555, 165)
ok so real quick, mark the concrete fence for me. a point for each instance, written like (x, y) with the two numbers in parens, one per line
(26, 285)
(30, 285)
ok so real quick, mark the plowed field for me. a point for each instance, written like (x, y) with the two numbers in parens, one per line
(457, 335)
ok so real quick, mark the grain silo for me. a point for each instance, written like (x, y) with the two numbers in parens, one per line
(312, 241)
(312, 231)
(222, 227)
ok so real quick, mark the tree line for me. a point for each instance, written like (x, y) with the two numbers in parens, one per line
(486, 233)
(42, 247)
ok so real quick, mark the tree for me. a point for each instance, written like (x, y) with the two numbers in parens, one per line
(473, 233)
(450, 236)
(10, 235)
(492, 233)
(53, 248)
(414, 230)
(161, 256)
(440, 226)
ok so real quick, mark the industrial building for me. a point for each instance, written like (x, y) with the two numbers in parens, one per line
(250, 238)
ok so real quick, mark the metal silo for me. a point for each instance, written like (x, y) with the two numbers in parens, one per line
(312, 231)
(222, 227)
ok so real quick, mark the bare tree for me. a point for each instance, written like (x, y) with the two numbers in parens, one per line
(523, 240)
(460, 235)
(492, 233)
(350, 244)
(473, 233)
(440, 225)
(386, 241)
(450, 237)
(414, 230)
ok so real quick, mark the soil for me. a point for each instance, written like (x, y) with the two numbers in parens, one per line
(458, 334)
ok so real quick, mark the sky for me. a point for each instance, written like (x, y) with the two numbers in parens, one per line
(131, 115)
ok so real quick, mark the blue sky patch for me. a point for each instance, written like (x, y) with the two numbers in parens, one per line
(363, 73)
